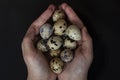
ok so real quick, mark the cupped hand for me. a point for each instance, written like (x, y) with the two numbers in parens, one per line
(37, 64)
(77, 69)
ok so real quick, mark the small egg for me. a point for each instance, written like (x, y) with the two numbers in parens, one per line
(41, 45)
(70, 44)
(73, 32)
(59, 27)
(66, 55)
(58, 14)
(55, 53)
(56, 65)
(55, 42)
(46, 31)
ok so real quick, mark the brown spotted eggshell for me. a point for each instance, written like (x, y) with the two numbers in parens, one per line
(46, 31)
(58, 14)
(66, 55)
(56, 65)
(55, 42)
(41, 45)
(73, 32)
(59, 27)
(55, 53)
(70, 44)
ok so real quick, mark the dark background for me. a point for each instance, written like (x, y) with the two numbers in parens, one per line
(102, 18)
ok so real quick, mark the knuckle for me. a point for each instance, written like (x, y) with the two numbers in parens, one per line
(43, 18)
(36, 23)
(34, 26)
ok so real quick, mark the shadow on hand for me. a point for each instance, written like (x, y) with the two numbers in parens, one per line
(99, 49)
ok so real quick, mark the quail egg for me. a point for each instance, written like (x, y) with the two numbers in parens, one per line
(73, 32)
(55, 42)
(70, 44)
(66, 55)
(56, 65)
(59, 27)
(58, 14)
(46, 31)
(55, 53)
(41, 45)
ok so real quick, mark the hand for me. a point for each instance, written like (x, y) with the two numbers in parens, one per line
(37, 64)
(78, 68)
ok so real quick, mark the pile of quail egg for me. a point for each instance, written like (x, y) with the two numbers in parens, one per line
(59, 41)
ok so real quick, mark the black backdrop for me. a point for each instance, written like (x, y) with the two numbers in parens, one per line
(100, 16)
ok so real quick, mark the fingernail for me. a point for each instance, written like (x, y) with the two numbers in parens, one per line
(51, 7)
(64, 5)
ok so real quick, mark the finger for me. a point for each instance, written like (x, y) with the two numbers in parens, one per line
(86, 47)
(44, 17)
(72, 16)
(34, 28)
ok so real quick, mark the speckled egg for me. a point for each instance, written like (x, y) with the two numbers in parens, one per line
(59, 27)
(56, 65)
(55, 53)
(70, 44)
(41, 45)
(58, 14)
(55, 42)
(46, 31)
(66, 55)
(73, 32)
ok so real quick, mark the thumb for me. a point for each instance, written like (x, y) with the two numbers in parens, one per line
(87, 48)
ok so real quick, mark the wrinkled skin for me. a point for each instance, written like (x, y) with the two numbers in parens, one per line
(37, 63)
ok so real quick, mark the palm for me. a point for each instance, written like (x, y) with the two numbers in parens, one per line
(78, 67)
(38, 65)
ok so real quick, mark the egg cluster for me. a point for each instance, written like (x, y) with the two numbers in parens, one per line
(59, 41)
